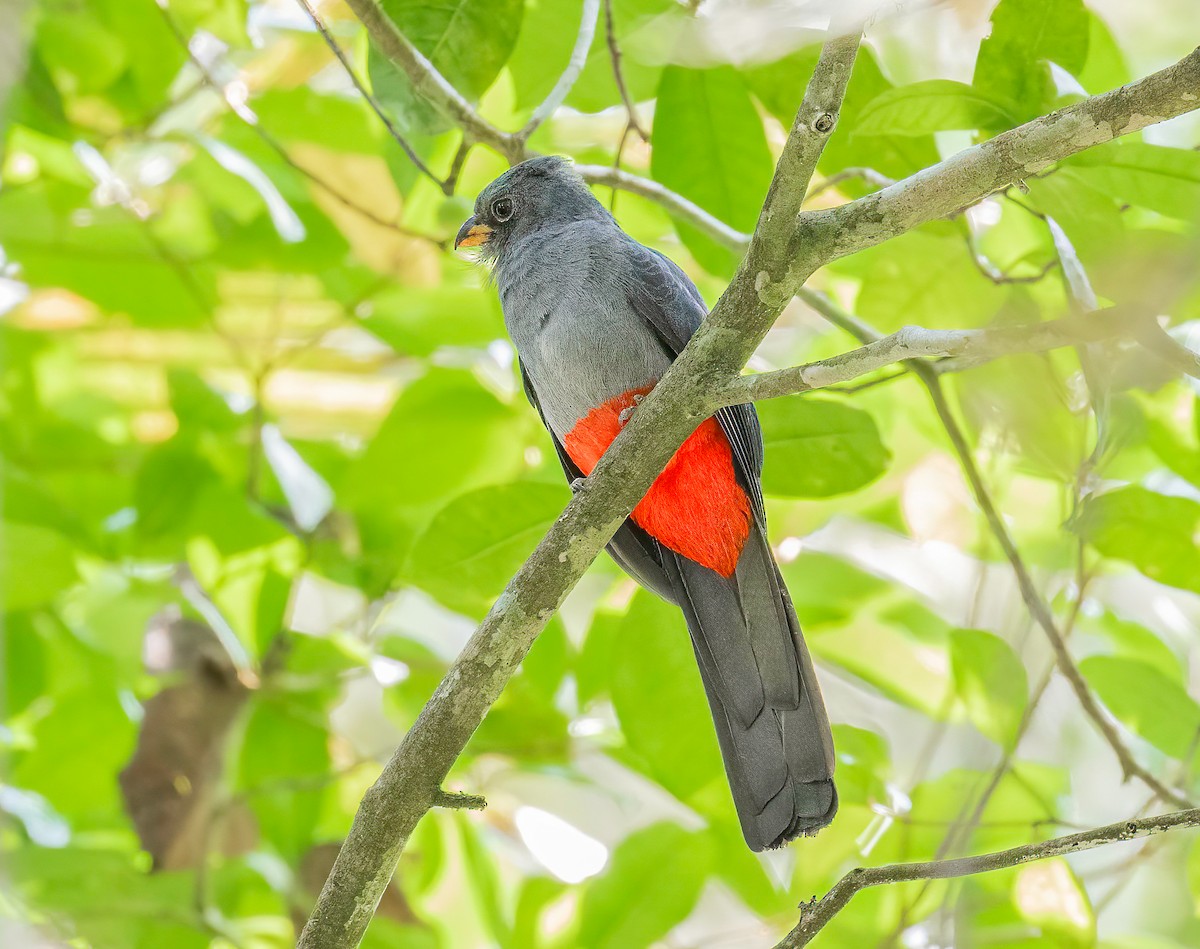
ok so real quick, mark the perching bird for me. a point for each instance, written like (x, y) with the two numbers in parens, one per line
(596, 319)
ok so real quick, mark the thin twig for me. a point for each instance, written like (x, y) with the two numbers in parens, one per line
(366, 94)
(869, 175)
(675, 204)
(614, 54)
(816, 915)
(430, 83)
(275, 145)
(579, 54)
(1037, 606)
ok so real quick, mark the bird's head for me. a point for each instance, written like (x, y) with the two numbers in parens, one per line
(536, 193)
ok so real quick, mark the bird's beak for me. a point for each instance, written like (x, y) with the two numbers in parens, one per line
(472, 234)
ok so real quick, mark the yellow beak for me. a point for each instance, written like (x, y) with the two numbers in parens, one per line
(472, 234)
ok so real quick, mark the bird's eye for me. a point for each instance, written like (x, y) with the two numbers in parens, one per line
(502, 209)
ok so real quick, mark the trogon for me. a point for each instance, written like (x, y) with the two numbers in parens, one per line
(596, 319)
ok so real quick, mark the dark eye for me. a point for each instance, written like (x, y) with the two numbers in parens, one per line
(502, 209)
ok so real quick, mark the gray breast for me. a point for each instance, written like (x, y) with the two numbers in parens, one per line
(565, 306)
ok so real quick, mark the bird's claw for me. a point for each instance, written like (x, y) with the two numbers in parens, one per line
(624, 415)
(577, 485)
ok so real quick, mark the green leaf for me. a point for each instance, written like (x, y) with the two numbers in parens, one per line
(1106, 67)
(1028, 35)
(467, 41)
(640, 27)
(818, 448)
(485, 881)
(710, 147)
(445, 433)
(926, 277)
(82, 54)
(36, 564)
(418, 321)
(1134, 641)
(1154, 532)
(663, 859)
(284, 749)
(991, 683)
(1166, 180)
(658, 698)
(779, 86)
(1147, 702)
(477, 541)
(936, 105)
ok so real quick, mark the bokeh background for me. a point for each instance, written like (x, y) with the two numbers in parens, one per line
(266, 462)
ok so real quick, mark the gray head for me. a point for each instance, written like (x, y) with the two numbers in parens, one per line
(529, 196)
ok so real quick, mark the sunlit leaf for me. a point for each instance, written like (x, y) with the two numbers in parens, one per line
(709, 146)
(1027, 36)
(474, 544)
(615, 912)
(818, 448)
(1154, 532)
(1146, 701)
(935, 105)
(991, 683)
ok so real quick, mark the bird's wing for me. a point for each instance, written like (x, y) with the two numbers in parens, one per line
(662, 295)
(635, 551)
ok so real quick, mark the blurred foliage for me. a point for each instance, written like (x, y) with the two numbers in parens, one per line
(266, 462)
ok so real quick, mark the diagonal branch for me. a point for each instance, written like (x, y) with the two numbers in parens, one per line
(429, 82)
(579, 54)
(412, 778)
(965, 178)
(913, 342)
(785, 250)
(340, 54)
(816, 915)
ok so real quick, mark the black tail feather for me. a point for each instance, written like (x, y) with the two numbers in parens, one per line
(763, 691)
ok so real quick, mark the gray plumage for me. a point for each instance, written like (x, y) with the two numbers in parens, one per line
(594, 314)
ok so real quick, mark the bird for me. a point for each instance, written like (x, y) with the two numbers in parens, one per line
(596, 318)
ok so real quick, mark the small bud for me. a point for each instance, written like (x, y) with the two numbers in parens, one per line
(824, 122)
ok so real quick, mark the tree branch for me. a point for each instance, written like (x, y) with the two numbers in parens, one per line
(913, 342)
(430, 83)
(785, 250)
(366, 94)
(412, 778)
(614, 54)
(675, 204)
(963, 179)
(816, 915)
(579, 54)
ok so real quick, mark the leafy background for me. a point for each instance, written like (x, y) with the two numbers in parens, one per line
(266, 463)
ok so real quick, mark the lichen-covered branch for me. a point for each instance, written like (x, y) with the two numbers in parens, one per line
(412, 778)
(914, 342)
(816, 915)
(972, 174)
(786, 248)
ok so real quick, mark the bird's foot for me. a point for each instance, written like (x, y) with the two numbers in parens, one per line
(626, 413)
(577, 485)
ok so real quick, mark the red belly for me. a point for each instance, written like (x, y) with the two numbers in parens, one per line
(696, 506)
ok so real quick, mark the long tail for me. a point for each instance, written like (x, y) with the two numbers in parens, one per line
(763, 692)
